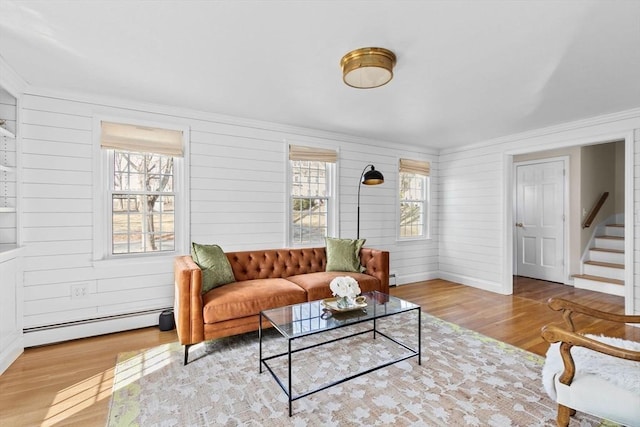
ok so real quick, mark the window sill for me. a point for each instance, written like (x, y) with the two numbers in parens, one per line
(135, 260)
(413, 239)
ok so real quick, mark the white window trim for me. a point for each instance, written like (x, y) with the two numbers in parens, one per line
(101, 211)
(333, 220)
(427, 211)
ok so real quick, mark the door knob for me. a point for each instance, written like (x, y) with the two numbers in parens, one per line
(519, 224)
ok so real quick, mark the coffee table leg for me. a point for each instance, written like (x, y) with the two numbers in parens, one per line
(419, 337)
(260, 343)
(290, 395)
(374, 329)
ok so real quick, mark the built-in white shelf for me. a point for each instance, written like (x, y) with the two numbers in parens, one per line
(8, 250)
(4, 132)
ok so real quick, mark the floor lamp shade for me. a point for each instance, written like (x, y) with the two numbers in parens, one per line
(368, 177)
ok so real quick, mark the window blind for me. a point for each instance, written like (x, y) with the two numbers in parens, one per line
(299, 152)
(126, 137)
(415, 166)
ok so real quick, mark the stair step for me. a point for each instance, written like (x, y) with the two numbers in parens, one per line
(614, 251)
(609, 242)
(614, 230)
(599, 284)
(599, 279)
(615, 256)
(605, 264)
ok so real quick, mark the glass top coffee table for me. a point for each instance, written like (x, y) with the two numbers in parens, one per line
(310, 318)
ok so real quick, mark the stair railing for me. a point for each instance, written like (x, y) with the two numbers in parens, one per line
(594, 210)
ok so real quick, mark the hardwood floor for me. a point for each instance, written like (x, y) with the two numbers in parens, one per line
(518, 318)
(70, 383)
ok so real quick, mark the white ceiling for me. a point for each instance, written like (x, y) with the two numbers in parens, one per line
(467, 70)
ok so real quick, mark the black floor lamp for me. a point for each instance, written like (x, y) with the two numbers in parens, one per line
(368, 177)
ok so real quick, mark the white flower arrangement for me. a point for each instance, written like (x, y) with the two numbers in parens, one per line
(345, 286)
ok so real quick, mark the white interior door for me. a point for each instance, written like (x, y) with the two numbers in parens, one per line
(539, 220)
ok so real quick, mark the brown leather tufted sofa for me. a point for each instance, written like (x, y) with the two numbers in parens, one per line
(264, 279)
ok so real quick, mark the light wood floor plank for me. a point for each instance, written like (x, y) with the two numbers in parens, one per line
(69, 384)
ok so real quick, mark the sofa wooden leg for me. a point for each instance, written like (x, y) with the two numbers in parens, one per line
(564, 414)
(186, 353)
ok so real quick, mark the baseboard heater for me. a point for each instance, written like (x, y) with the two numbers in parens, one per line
(392, 280)
(94, 320)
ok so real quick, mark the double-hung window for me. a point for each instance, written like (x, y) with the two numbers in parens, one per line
(312, 212)
(142, 165)
(414, 199)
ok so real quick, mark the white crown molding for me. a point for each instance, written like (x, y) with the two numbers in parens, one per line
(549, 130)
(183, 112)
(10, 80)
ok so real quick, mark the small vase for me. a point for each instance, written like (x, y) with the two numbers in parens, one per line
(344, 302)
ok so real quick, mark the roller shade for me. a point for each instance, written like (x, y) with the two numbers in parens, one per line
(126, 137)
(415, 166)
(298, 152)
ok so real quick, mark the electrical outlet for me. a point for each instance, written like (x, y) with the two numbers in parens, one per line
(79, 291)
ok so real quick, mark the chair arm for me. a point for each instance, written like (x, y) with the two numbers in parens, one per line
(568, 339)
(188, 303)
(569, 307)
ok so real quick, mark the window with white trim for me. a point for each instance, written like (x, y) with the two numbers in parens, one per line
(141, 199)
(414, 198)
(312, 205)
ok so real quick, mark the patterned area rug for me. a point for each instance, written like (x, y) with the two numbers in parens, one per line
(466, 379)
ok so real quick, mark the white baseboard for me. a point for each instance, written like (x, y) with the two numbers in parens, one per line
(476, 283)
(10, 353)
(89, 329)
(405, 279)
(456, 278)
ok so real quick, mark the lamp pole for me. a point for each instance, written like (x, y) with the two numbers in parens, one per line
(372, 177)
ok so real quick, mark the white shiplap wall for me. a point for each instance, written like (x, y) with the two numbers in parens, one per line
(475, 192)
(237, 200)
(636, 222)
(471, 211)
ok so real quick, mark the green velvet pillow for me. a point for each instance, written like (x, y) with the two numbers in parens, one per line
(344, 254)
(216, 270)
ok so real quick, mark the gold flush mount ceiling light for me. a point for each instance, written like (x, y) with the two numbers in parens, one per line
(368, 67)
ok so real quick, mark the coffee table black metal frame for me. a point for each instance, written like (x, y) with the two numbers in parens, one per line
(297, 321)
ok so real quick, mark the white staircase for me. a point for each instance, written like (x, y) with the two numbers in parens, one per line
(603, 269)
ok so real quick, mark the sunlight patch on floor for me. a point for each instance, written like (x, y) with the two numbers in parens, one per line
(81, 395)
(141, 364)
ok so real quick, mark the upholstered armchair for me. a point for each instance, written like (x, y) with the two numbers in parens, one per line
(593, 374)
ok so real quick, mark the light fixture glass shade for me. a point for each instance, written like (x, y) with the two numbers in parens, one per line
(368, 67)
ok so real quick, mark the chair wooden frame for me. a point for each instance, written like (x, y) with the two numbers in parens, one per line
(569, 338)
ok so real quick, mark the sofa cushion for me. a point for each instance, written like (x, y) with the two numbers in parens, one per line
(317, 284)
(248, 298)
(216, 270)
(344, 254)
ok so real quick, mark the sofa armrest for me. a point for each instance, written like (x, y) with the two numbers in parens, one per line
(376, 263)
(188, 300)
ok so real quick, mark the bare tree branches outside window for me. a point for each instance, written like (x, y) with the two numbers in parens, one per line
(142, 203)
(412, 204)
(310, 200)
